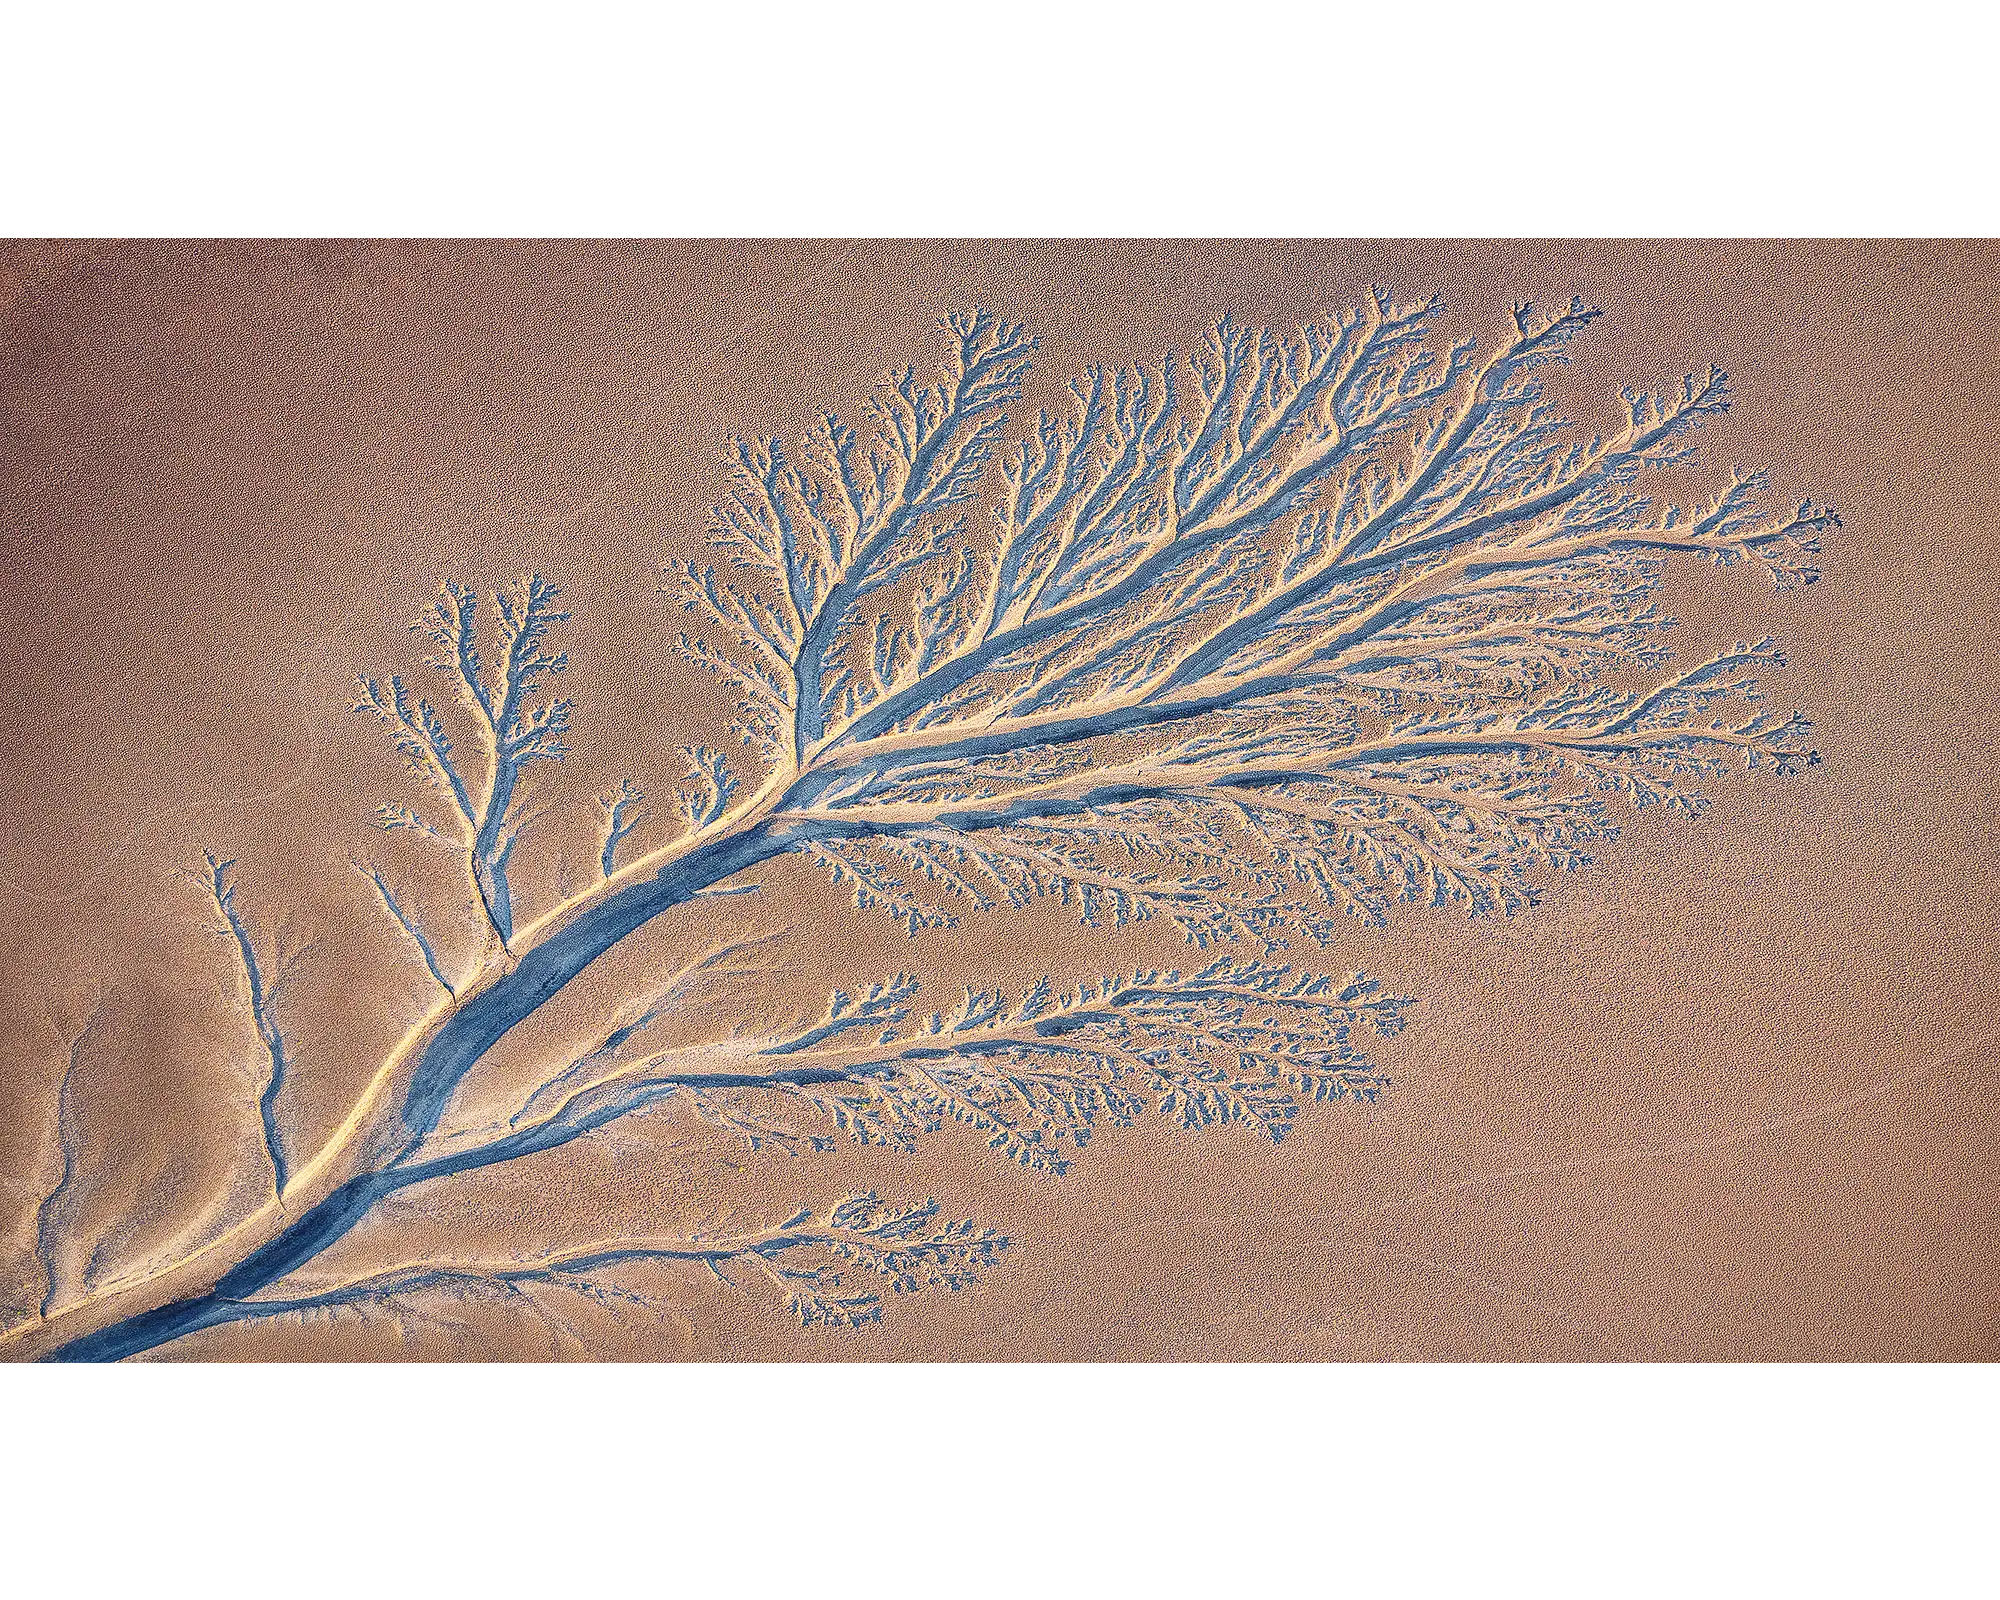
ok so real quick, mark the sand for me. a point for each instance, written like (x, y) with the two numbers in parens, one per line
(1724, 1094)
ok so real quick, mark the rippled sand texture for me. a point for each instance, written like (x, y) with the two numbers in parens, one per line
(1245, 801)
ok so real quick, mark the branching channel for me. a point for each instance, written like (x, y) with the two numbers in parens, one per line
(1266, 635)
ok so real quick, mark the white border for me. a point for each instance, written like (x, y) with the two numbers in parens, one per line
(994, 1480)
(1063, 117)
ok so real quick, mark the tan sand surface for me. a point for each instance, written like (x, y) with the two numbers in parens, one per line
(1727, 1093)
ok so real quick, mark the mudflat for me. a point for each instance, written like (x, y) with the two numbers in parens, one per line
(1261, 801)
